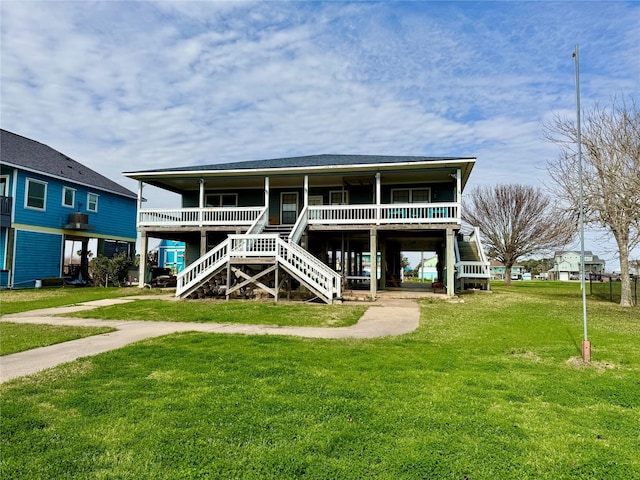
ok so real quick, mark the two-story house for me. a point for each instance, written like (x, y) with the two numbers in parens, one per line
(566, 265)
(311, 220)
(48, 201)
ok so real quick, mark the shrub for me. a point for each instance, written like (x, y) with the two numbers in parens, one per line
(104, 270)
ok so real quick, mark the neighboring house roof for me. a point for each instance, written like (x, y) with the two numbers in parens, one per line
(587, 253)
(26, 154)
(495, 263)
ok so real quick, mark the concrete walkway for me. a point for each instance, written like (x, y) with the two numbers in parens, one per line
(385, 317)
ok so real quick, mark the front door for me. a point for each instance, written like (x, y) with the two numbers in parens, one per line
(288, 208)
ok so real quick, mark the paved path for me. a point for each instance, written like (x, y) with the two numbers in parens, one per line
(385, 317)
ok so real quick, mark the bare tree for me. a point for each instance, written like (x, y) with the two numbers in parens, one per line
(516, 221)
(610, 174)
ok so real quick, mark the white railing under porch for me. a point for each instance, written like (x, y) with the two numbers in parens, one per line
(397, 213)
(198, 217)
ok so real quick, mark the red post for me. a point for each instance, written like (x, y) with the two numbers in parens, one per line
(586, 351)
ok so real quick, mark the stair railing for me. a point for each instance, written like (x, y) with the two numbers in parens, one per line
(193, 275)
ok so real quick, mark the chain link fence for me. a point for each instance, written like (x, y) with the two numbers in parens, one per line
(609, 288)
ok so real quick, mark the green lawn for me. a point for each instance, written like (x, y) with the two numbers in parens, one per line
(486, 389)
(16, 301)
(17, 337)
(256, 313)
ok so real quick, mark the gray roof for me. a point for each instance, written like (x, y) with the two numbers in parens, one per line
(24, 153)
(308, 161)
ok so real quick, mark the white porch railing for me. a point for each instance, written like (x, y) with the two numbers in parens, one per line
(397, 213)
(184, 217)
(472, 270)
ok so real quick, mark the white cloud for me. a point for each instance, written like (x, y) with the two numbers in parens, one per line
(124, 86)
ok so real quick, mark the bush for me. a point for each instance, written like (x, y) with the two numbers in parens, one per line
(104, 270)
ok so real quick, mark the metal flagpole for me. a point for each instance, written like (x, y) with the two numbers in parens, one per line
(586, 344)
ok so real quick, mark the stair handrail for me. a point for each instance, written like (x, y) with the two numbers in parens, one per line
(301, 224)
(192, 274)
(322, 277)
(261, 222)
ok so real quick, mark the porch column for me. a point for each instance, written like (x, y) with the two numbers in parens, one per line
(266, 192)
(306, 191)
(459, 192)
(383, 265)
(451, 260)
(200, 199)
(378, 195)
(203, 242)
(373, 248)
(140, 200)
(144, 245)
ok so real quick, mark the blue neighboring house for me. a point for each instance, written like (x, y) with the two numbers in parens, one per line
(48, 199)
(171, 255)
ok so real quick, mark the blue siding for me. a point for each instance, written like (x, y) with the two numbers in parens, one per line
(116, 215)
(38, 255)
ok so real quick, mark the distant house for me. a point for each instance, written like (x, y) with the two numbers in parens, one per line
(428, 270)
(499, 270)
(49, 201)
(171, 255)
(566, 265)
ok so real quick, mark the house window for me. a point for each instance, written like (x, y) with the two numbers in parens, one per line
(411, 195)
(36, 194)
(92, 202)
(227, 200)
(68, 197)
(339, 197)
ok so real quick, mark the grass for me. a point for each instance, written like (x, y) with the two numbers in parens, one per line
(16, 301)
(487, 389)
(255, 313)
(18, 337)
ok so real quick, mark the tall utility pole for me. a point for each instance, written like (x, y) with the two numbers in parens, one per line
(586, 344)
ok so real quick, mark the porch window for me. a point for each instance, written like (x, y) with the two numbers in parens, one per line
(411, 195)
(92, 202)
(68, 197)
(338, 197)
(36, 194)
(218, 200)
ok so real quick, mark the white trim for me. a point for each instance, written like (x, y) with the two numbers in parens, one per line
(263, 171)
(73, 198)
(27, 180)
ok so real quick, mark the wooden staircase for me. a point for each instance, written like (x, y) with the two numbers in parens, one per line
(471, 264)
(265, 261)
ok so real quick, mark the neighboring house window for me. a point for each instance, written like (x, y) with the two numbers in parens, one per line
(411, 195)
(92, 202)
(339, 197)
(68, 197)
(221, 200)
(36, 194)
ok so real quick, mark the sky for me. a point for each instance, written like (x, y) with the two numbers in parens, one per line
(126, 86)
